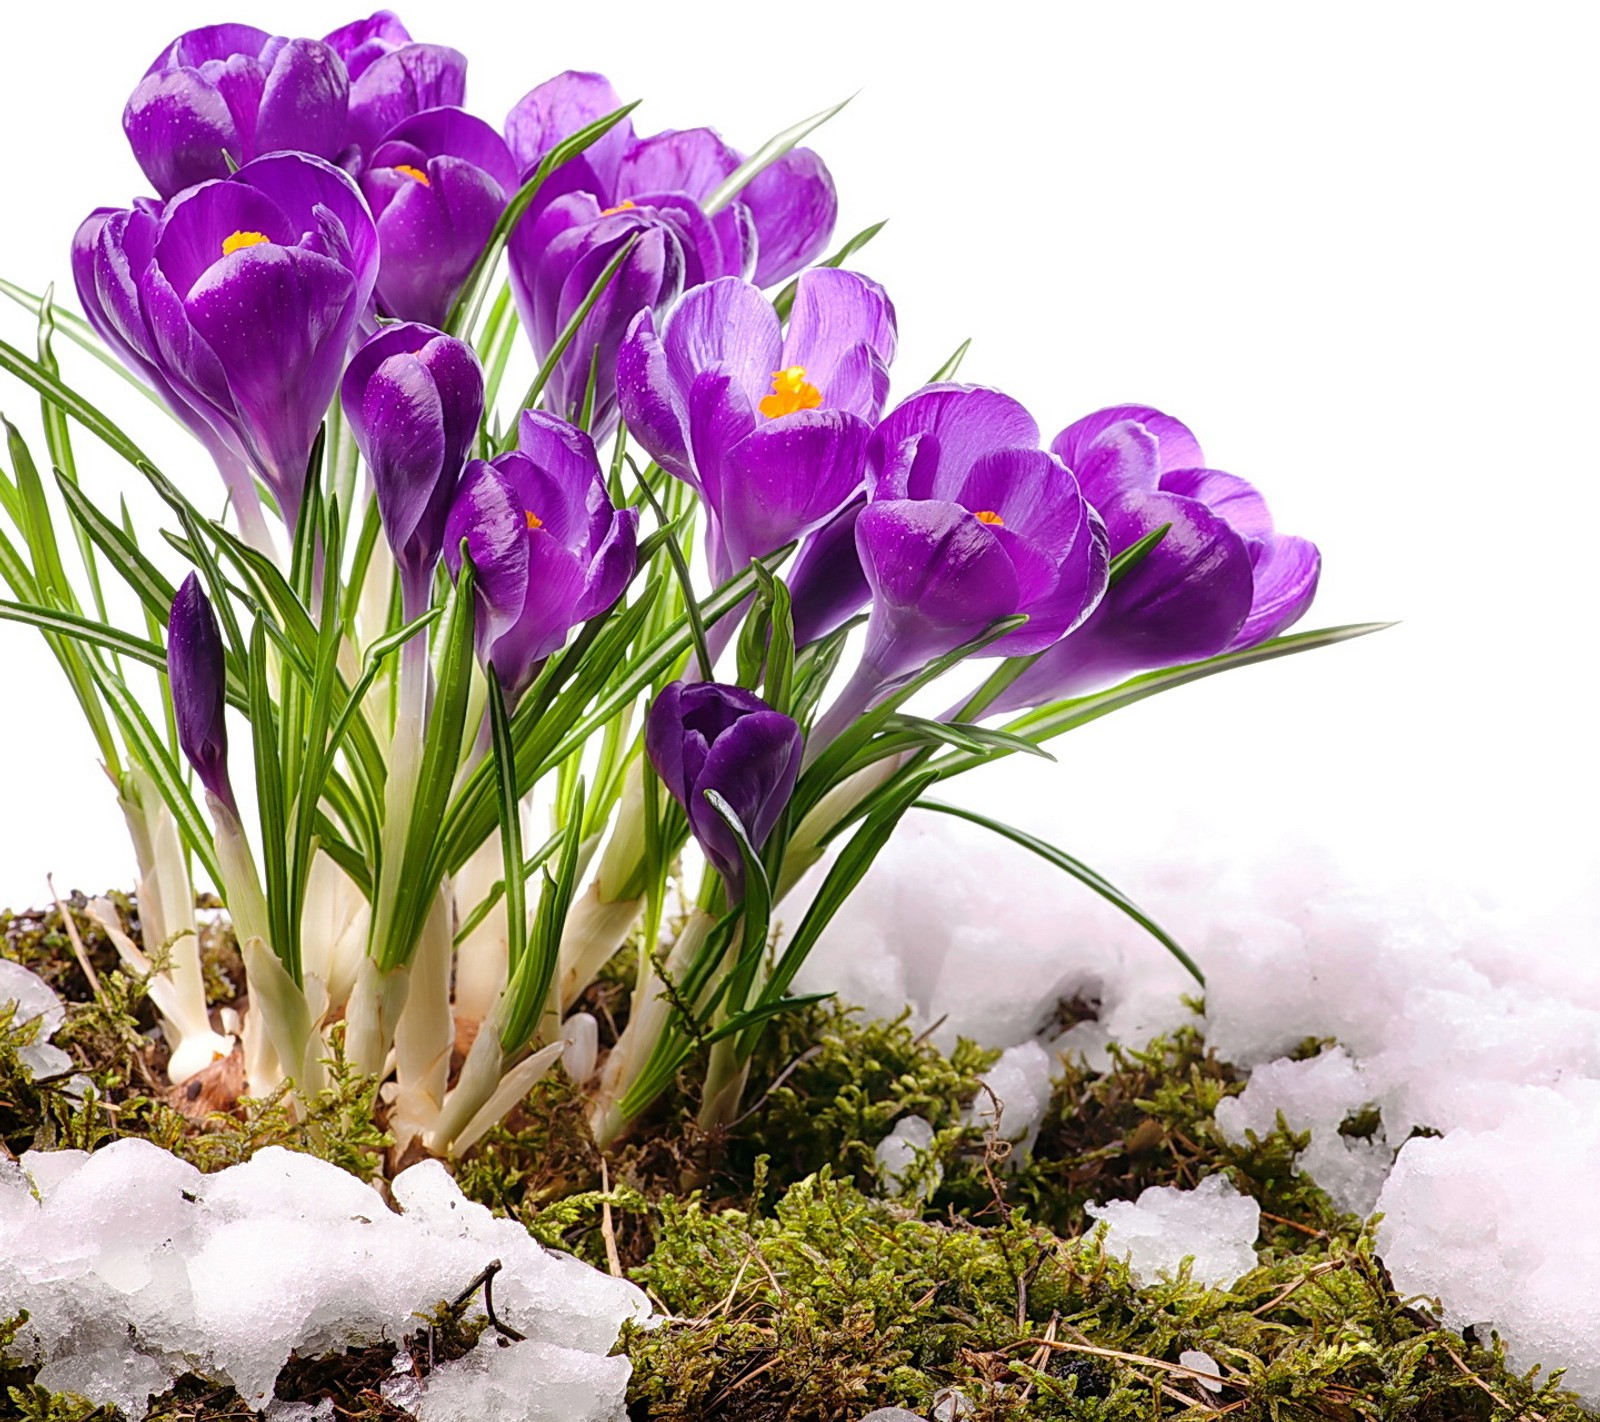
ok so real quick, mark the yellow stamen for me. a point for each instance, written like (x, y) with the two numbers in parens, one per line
(989, 516)
(791, 391)
(534, 521)
(622, 206)
(234, 241)
(411, 172)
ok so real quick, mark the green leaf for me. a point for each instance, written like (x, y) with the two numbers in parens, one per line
(271, 801)
(82, 334)
(756, 907)
(1079, 871)
(140, 574)
(86, 629)
(531, 979)
(505, 764)
(680, 568)
(766, 155)
(922, 731)
(948, 370)
(1133, 555)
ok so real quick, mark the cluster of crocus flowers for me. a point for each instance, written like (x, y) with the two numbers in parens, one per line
(471, 614)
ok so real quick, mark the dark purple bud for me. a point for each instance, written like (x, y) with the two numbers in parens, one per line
(706, 736)
(548, 549)
(198, 674)
(1221, 578)
(414, 397)
(436, 184)
(393, 78)
(233, 92)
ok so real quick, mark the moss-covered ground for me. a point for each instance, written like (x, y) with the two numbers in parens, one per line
(792, 1289)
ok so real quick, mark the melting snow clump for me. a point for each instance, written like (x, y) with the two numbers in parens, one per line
(31, 996)
(1213, 1224)
(135, 1269)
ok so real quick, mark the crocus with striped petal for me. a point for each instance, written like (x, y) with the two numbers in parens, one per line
(1221, 578)
(436, 184)
(413, 397)
(252, 291)
(769, 427)
(968, 521)
(197, 672)
(548, 548)
(228, 93)
(704, 736)
(392, 77)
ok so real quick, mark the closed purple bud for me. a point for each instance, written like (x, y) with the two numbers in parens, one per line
(197, 672)
(1221, 578)
(548, 549)
(413, 398)
(706, 736)
(233, 92)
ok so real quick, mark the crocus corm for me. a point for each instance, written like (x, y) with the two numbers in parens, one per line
(1221, 578)
(769, 428)
(413, 398)
(706, 736)
(229, 93)
(197, 672)
(548, 548)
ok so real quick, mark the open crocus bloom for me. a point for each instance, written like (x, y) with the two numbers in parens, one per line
(1221, 578)
(548, 548)
(229, 93)
(436, 183)
(247, 298)
(769, 427)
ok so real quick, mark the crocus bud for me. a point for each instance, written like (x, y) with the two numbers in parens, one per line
(548, 549)
(233, 92)
(780, 418)
(392, 77)
(436, 183)
(198, 673)
(706, 736)
(414, 397)
(1221, 578)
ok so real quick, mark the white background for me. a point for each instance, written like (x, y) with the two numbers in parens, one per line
(1353, 246)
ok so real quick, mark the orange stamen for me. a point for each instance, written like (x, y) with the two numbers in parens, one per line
(791, 391)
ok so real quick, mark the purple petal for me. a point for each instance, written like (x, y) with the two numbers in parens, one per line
(1286, 573)
(1226, 495)
(753, 765)
(794, 208)
(838, 322)
(1179, 448)
(650, 400)
(719, 417)
(454, 133)
(303, 104)
(361, 42)
(489, 517)
(210, 43)
(402, 83)
(180, 127)
(966, 421)
(614, 561)
(786, 478)
(938, 578)
(729, 326)
(693, 161)
(1122, 459)
(557, 109)
(826, 584)
(431, 234)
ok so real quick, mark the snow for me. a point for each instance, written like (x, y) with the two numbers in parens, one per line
(904, 1165)
(1013, 1096)
(135, 1268)
(1212, 1225)
(1474, 1023)
(32, 997)
(1203, 1363)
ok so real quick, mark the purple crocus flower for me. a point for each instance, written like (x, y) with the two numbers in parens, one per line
(826, 584)
(393, 78)
(648, 190)
(769, 428)
(1221, 579)
(436, 183)
(197, 672)
(414, 397)
(233, 92)
(706, 736)
(548, 548)
(968, 521)
(248, 297)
